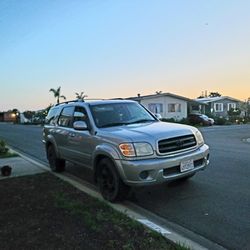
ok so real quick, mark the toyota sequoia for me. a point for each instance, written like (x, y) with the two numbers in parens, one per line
(123, 143)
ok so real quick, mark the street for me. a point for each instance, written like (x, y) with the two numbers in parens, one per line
(215, 203)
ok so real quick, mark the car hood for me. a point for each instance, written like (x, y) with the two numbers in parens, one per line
(151, 131)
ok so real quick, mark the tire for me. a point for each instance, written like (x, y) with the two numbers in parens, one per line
(110, 184)
(56, 164)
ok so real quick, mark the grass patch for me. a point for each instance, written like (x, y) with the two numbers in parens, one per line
(105, 217)
(76, 208)
(8, 155)
(44, 212)
(4, 151)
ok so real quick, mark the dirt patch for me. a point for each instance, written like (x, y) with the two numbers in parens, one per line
(43, 212)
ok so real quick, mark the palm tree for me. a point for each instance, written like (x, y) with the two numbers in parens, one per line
(57, 94)
(214, 94)
(80, 96)
(158, 92)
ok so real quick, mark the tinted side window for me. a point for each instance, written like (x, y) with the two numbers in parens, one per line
(51, 117)
(65, 118)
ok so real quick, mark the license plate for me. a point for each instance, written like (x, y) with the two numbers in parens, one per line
(187, 165)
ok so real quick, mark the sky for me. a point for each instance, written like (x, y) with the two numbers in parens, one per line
(115, 48)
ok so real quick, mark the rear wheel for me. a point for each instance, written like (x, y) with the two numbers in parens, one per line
(56, 164)
(111, 186)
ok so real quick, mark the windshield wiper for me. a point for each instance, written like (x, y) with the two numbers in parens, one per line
(125, 123)
(142, 121)
(114, 124)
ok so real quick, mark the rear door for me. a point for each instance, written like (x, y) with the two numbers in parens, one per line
(63, 131)
(80, 143)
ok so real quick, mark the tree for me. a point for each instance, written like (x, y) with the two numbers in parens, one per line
(245, 107)
(80, 96)
(200, 97)
(234, 114)
(214, 94)
(46, 110)
(57, 94)
(248, 107)
(158, 92)
(28, 114)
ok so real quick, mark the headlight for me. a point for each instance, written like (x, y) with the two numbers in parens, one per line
(199, 138)
(143, 149)
(136, 149)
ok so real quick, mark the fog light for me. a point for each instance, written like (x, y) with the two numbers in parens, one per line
(144, 175)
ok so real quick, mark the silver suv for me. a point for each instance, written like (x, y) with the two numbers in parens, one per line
(123, 143)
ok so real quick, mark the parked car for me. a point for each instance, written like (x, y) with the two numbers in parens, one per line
(200, 119)
(123, 144)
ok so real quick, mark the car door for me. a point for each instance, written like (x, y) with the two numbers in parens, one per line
(80, 141)
(63, 130)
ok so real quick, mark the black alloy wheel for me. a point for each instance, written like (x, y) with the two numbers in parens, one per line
(111, 186)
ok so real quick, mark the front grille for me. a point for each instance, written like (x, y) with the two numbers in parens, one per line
(176, 144)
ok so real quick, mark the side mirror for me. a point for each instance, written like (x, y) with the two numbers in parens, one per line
(80, 125)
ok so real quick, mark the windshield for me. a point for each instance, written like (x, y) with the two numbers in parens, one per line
(117, 114)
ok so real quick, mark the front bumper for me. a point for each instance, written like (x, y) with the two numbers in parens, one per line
(158, 170)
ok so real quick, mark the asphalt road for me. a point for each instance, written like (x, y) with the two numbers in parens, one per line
(215, 203)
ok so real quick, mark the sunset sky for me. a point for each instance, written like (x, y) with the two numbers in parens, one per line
(115, 48)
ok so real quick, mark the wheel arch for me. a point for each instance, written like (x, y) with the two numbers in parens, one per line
(106, 151)
(97, 160)
(51, 142)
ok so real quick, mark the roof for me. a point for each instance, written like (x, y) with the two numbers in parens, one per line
(215, 99)
(141, 97)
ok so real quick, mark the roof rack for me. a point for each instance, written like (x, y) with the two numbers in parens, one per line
(95, 99)
(88, 99)
(117, 98)
(66, 102)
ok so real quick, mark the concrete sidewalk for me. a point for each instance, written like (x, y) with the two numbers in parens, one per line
(20, 167)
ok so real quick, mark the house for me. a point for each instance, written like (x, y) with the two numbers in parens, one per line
(218, 106)
(168, 105)
(8, 116)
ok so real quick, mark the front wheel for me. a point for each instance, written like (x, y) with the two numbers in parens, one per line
(111, 186)
(56, 164)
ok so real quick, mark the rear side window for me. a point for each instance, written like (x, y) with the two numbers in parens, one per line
(51, 117)
(66, 117)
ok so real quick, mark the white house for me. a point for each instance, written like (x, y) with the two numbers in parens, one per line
(166, 104)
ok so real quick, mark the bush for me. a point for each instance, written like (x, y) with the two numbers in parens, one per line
(220, 121)
(168, 120)
(3, 148)
(184, 121)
